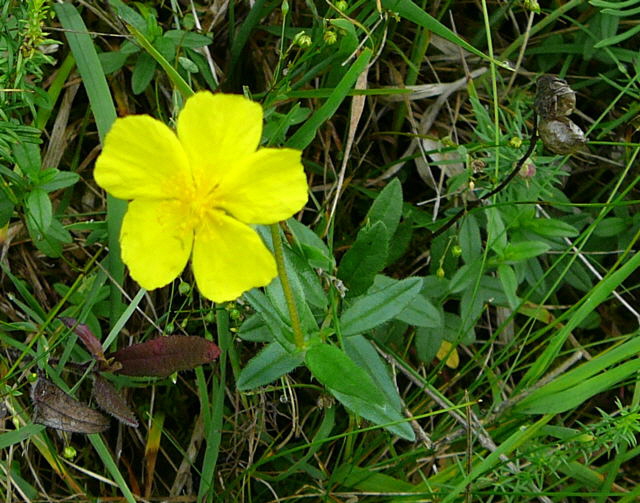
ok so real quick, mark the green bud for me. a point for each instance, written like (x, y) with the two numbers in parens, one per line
(184, 288)
(330, 37)
(440, 272)
(532, 5)
(302, 40)
(456, 250)
(515, 142)
(285, 8)
(69, 452)
(341, 5)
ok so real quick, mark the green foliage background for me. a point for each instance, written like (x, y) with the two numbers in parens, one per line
(492, 360)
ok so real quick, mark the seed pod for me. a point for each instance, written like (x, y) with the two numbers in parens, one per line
(561, 135)
(554, 98)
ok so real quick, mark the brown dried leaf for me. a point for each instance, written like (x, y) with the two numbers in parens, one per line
(110, 401)
(163, 356)
(56, 409)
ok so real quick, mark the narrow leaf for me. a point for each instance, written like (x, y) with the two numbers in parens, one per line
(308, 130)
(268, 365)
(366, 258)
(333, 368)
(387, 207)
(376, 308)
(163, 356)
(378, 414)
(40, 211)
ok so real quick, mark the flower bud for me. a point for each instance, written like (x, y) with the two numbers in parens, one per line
(69, 452)
(302, 40)
(330, 37)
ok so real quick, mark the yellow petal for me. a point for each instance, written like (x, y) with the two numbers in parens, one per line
(264, 188)
(453, 360)
(229, 258)
(156, 241)
(142, 157)
(217, 128)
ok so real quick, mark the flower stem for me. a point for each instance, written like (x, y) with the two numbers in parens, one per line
(278, 250)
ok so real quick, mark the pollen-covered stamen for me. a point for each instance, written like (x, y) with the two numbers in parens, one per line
(203, 204)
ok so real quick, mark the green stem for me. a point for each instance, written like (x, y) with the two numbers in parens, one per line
(278, 250)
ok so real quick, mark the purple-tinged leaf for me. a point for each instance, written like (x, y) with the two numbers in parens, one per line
(110, 401)
(163, 356)
(85, 334)
(54, 408)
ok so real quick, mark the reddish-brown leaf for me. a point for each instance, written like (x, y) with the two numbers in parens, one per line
(110, 401)
(163, 356)
(85, 334)
(54, 408)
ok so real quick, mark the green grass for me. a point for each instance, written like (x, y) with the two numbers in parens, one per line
(492, 360)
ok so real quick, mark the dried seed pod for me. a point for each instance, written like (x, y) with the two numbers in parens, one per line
(561, 135)
(554, 98)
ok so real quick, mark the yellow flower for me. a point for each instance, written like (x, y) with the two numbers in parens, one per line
(194, 193)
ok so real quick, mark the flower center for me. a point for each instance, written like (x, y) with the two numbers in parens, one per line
(202, 207)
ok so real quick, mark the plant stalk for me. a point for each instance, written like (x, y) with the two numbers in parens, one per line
(278, 250)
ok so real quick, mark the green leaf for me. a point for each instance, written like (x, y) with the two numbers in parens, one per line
(497, 234)
(411, 12)
(311, 246)
(364, 354)
(143, 73)
(613, 226)
(280, 329)
(366, 258)
(335, 370)
(428, 342)
(375, 308)
(543, 402)
(129, 15)
(306, 133)
(60, 180)
(422, 313)
(509, 283)
(618, 38)
(308, 278)
(387, 207)
(465, 276)
(27, 156)
(577, 314)
(369, 480)
(377, 414)
(6, 209)
(188, 39)
(39, 211)
(551, 227)
(470, 240)
(268, 365)
(516, 252)
(188, 65)
(254, 329)
(112, 61)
